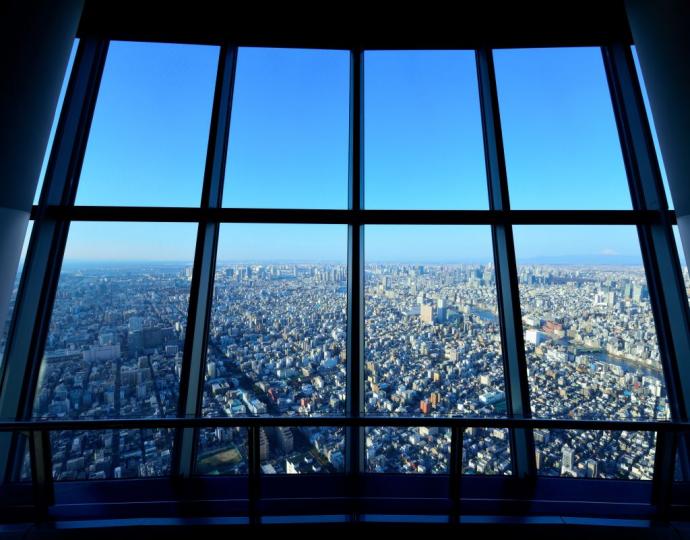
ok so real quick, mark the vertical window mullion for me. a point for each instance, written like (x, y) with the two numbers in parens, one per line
(44, 258)
(659, 254)
(514, 363)
(355, 266)
(201, 293)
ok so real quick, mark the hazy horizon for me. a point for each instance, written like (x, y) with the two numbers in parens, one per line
(289, 145)
(583, 260)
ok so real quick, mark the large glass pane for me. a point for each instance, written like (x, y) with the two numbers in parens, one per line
(561, 143)
(305, 450)
(13, 295)
(289, 135)
(650, 118)
(682, 465)
(681, 469)
(282, 450)
(277, 336)
(589, 330)
(222, 451)
(111, 454)
(486, 451)
(622, 455)
(58, 111)
(415, 450)
(683, 263)
(148, 139)
(114, 347)
(432, 337)
(423, 131)
(590, 338)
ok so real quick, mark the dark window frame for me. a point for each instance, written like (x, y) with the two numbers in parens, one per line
(356, 492)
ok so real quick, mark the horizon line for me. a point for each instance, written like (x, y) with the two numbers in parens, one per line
(530, 261)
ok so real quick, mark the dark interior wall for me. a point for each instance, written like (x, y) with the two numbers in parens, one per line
(661, 31)
(36, 37)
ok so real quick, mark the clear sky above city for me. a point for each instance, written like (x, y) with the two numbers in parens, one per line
(289, 148)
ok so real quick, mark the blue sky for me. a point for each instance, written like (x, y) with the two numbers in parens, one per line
(289, 147)
(559, 130)
(107, 241)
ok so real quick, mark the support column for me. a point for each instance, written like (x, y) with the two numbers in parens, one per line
(37, 38)
(507, 292)
(661, 32)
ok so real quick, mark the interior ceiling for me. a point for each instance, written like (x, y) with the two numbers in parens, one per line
(352, 25)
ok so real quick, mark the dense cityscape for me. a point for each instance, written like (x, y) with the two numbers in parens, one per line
(277, 347)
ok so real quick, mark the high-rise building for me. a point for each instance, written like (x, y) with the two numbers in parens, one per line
(426, 313)
(592, 468)
(263, 445)
(285, 439)
(442, 310)
(568, 461)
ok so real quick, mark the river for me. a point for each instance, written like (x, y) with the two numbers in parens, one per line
(601, 356)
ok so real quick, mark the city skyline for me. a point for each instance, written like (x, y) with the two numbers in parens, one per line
(92, 252)
(534, 244)
(546, 261)
(277, 346)
(277, 334)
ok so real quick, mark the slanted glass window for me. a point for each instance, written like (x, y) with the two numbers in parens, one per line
(61, 100)
(683, 263)
(13, 295)
(589, 329)
(650, 118)
(591, 346)
(148, 139)
(561, 144)
(114, 348)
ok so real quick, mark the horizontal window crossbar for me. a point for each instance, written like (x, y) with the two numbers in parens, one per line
(355, 217)
(344, 421)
